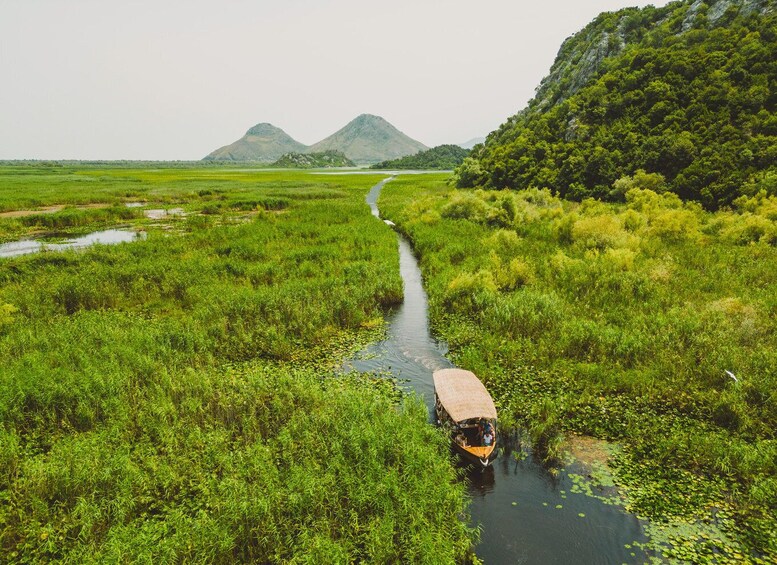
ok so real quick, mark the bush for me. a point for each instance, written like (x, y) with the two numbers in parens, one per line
(505, 243)
(515, 274)
(468, 290)
(469, 173)
(466, 206)
(750, 228)
(599, 232)
(675, 225)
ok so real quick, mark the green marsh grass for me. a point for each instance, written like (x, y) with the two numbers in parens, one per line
(618, 321)
(174, 399)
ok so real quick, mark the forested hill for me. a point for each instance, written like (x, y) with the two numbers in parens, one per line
(322, 160)
(442, 157)
(688, 91)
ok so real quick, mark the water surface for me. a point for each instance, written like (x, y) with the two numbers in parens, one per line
(105, 237)
(526, 514)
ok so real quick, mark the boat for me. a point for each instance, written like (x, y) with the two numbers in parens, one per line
(464, 407)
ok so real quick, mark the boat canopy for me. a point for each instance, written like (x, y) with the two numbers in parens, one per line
(462, 395)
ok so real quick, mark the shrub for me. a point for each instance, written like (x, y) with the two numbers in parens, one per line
(505, 243)
(563, 227)
(675, 225)
(515, 274)
(644, 200)
(632, 220)
(750, 228)
(469, 173)
(7, 312)
(466, 206)
(599, 232)
(641, 180)
(620, 259)
(468, 289)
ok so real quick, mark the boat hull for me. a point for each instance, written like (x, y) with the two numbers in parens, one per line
(482, 456)
(464, 407)
(473, 458)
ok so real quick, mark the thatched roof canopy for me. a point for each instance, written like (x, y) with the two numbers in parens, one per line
(462, 395)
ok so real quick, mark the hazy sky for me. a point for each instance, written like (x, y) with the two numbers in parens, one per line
(175, 79)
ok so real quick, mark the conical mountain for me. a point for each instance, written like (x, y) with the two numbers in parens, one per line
(369, 139)
(472, 142)
(263, 142)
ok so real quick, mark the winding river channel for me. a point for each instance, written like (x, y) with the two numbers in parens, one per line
(526, 514)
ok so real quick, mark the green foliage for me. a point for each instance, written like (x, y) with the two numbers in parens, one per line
(262, 463)
(174, 399)
(619, 321)
(321, 160)
(469, 172)
(7, 312)
(691, 99)
(442, 157)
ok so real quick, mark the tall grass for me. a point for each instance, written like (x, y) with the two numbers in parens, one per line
(173, 399)
(620, 321)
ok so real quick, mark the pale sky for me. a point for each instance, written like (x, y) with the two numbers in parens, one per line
(175, 79)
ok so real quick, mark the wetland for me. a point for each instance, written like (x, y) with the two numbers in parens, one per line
(249, 381)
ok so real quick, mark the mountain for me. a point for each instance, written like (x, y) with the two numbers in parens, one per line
(369, 139)
(687, 91)
(323, 160)
(263, 143)
(472, 142)
(442, 157)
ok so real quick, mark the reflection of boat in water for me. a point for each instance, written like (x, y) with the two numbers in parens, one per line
(465, 408)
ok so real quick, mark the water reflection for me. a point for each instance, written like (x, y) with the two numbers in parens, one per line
(105, 237)
(527, 513)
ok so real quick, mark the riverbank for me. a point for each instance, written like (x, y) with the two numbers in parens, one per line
(525, 511)
(619, 323)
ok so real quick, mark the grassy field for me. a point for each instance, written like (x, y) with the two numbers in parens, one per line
(174, 399)
(622, 322)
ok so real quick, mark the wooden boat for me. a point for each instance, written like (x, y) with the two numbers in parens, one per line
(465, 408)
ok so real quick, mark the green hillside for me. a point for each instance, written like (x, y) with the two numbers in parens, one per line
(263, 143)
(441, 158)
(369, 139)
(687, 91)
(322, 160)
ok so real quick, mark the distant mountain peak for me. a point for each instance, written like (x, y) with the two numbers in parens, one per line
(472, 142)
(264, 129)
(263, 143)
(369, 118)
(369, 139)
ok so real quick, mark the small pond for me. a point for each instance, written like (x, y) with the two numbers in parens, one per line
(105, 237)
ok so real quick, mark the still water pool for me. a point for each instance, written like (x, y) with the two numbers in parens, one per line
(105, 237)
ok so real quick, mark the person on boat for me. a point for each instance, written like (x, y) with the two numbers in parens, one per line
(461, 439)
(488, 438)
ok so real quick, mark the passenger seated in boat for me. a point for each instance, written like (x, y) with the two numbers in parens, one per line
(461, 439)
(488, 438)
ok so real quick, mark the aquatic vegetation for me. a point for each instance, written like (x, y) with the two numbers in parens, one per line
(630, 327)
(174, 399)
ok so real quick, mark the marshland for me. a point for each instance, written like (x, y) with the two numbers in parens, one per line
(181, 396)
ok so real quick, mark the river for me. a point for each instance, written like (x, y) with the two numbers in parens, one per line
(526, 514)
